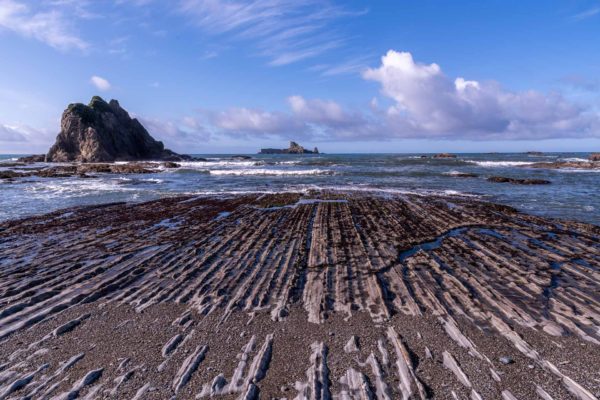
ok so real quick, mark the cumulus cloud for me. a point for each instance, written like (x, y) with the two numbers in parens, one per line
(48, 26)
(427, 102)
(100, 83)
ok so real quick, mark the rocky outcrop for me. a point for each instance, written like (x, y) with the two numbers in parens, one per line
(444, 155)
(104, 132)
(594, 157)
(294, 148)
(516, 181)
(32, 159)
(565, 165)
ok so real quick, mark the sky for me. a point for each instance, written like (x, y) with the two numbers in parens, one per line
(216, 76)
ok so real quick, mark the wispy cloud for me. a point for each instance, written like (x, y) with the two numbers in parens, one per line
(349, 66)
(586, 14)
(49, 25)
(284, 31)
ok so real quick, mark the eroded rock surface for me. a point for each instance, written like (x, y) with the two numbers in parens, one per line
(101, 132)
(327, 295)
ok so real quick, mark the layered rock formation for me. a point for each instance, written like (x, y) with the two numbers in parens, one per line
(294, 148)
(101, 132)
(318, 296)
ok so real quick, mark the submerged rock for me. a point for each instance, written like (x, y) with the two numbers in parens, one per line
(444, 155)
(463, 175)
(566, 164)
(102, 132)
(8, 174)
(517, 181)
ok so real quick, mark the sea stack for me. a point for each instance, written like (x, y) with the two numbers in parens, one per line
(294, 148)
(104, 132)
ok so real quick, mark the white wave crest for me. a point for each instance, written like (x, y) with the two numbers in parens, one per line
(574, 159)
(492, 164)
(276, 172)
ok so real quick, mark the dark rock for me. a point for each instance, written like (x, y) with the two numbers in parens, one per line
(33, 158)
(464, 175)
(535, 153)
(594, 157)
(241, 157)
(170, 164)
(82, 170)
(62, 171)
(516, 181)
(424, 156)
(565, 164)
(294, 148)
(444, 155)
(12, 164)
(8, 174)
(101, 132)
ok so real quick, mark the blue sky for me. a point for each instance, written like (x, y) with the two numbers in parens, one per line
(354, 76)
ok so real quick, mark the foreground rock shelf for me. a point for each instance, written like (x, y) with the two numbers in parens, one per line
(329, 295)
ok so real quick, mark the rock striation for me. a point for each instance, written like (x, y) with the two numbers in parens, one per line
(104, 132)
(294, 148)
(328, 295)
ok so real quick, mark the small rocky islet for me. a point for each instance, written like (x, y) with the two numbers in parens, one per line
(294, 148)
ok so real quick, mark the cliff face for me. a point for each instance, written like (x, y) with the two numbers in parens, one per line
(294, 148)
(104, 131)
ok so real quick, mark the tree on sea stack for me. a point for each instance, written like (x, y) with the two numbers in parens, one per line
(104, 132)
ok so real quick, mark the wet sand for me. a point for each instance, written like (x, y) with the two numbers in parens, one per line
(317, 296)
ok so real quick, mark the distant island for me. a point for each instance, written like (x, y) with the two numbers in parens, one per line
(294, 148)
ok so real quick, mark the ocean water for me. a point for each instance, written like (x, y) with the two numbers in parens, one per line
(573, 194)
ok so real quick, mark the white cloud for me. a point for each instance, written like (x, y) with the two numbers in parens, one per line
(20, 139)
(245, 121)
(11, 134)
(100, 83)
(427, 102)
(176, 133)
(48, 26)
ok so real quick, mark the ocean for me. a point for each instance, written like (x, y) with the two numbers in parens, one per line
(573, 194)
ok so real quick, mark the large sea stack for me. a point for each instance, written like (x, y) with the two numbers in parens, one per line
(101, 132)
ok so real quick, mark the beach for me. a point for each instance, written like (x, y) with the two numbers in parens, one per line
(313, 294)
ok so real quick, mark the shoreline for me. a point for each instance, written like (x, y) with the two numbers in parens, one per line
(326, 291)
